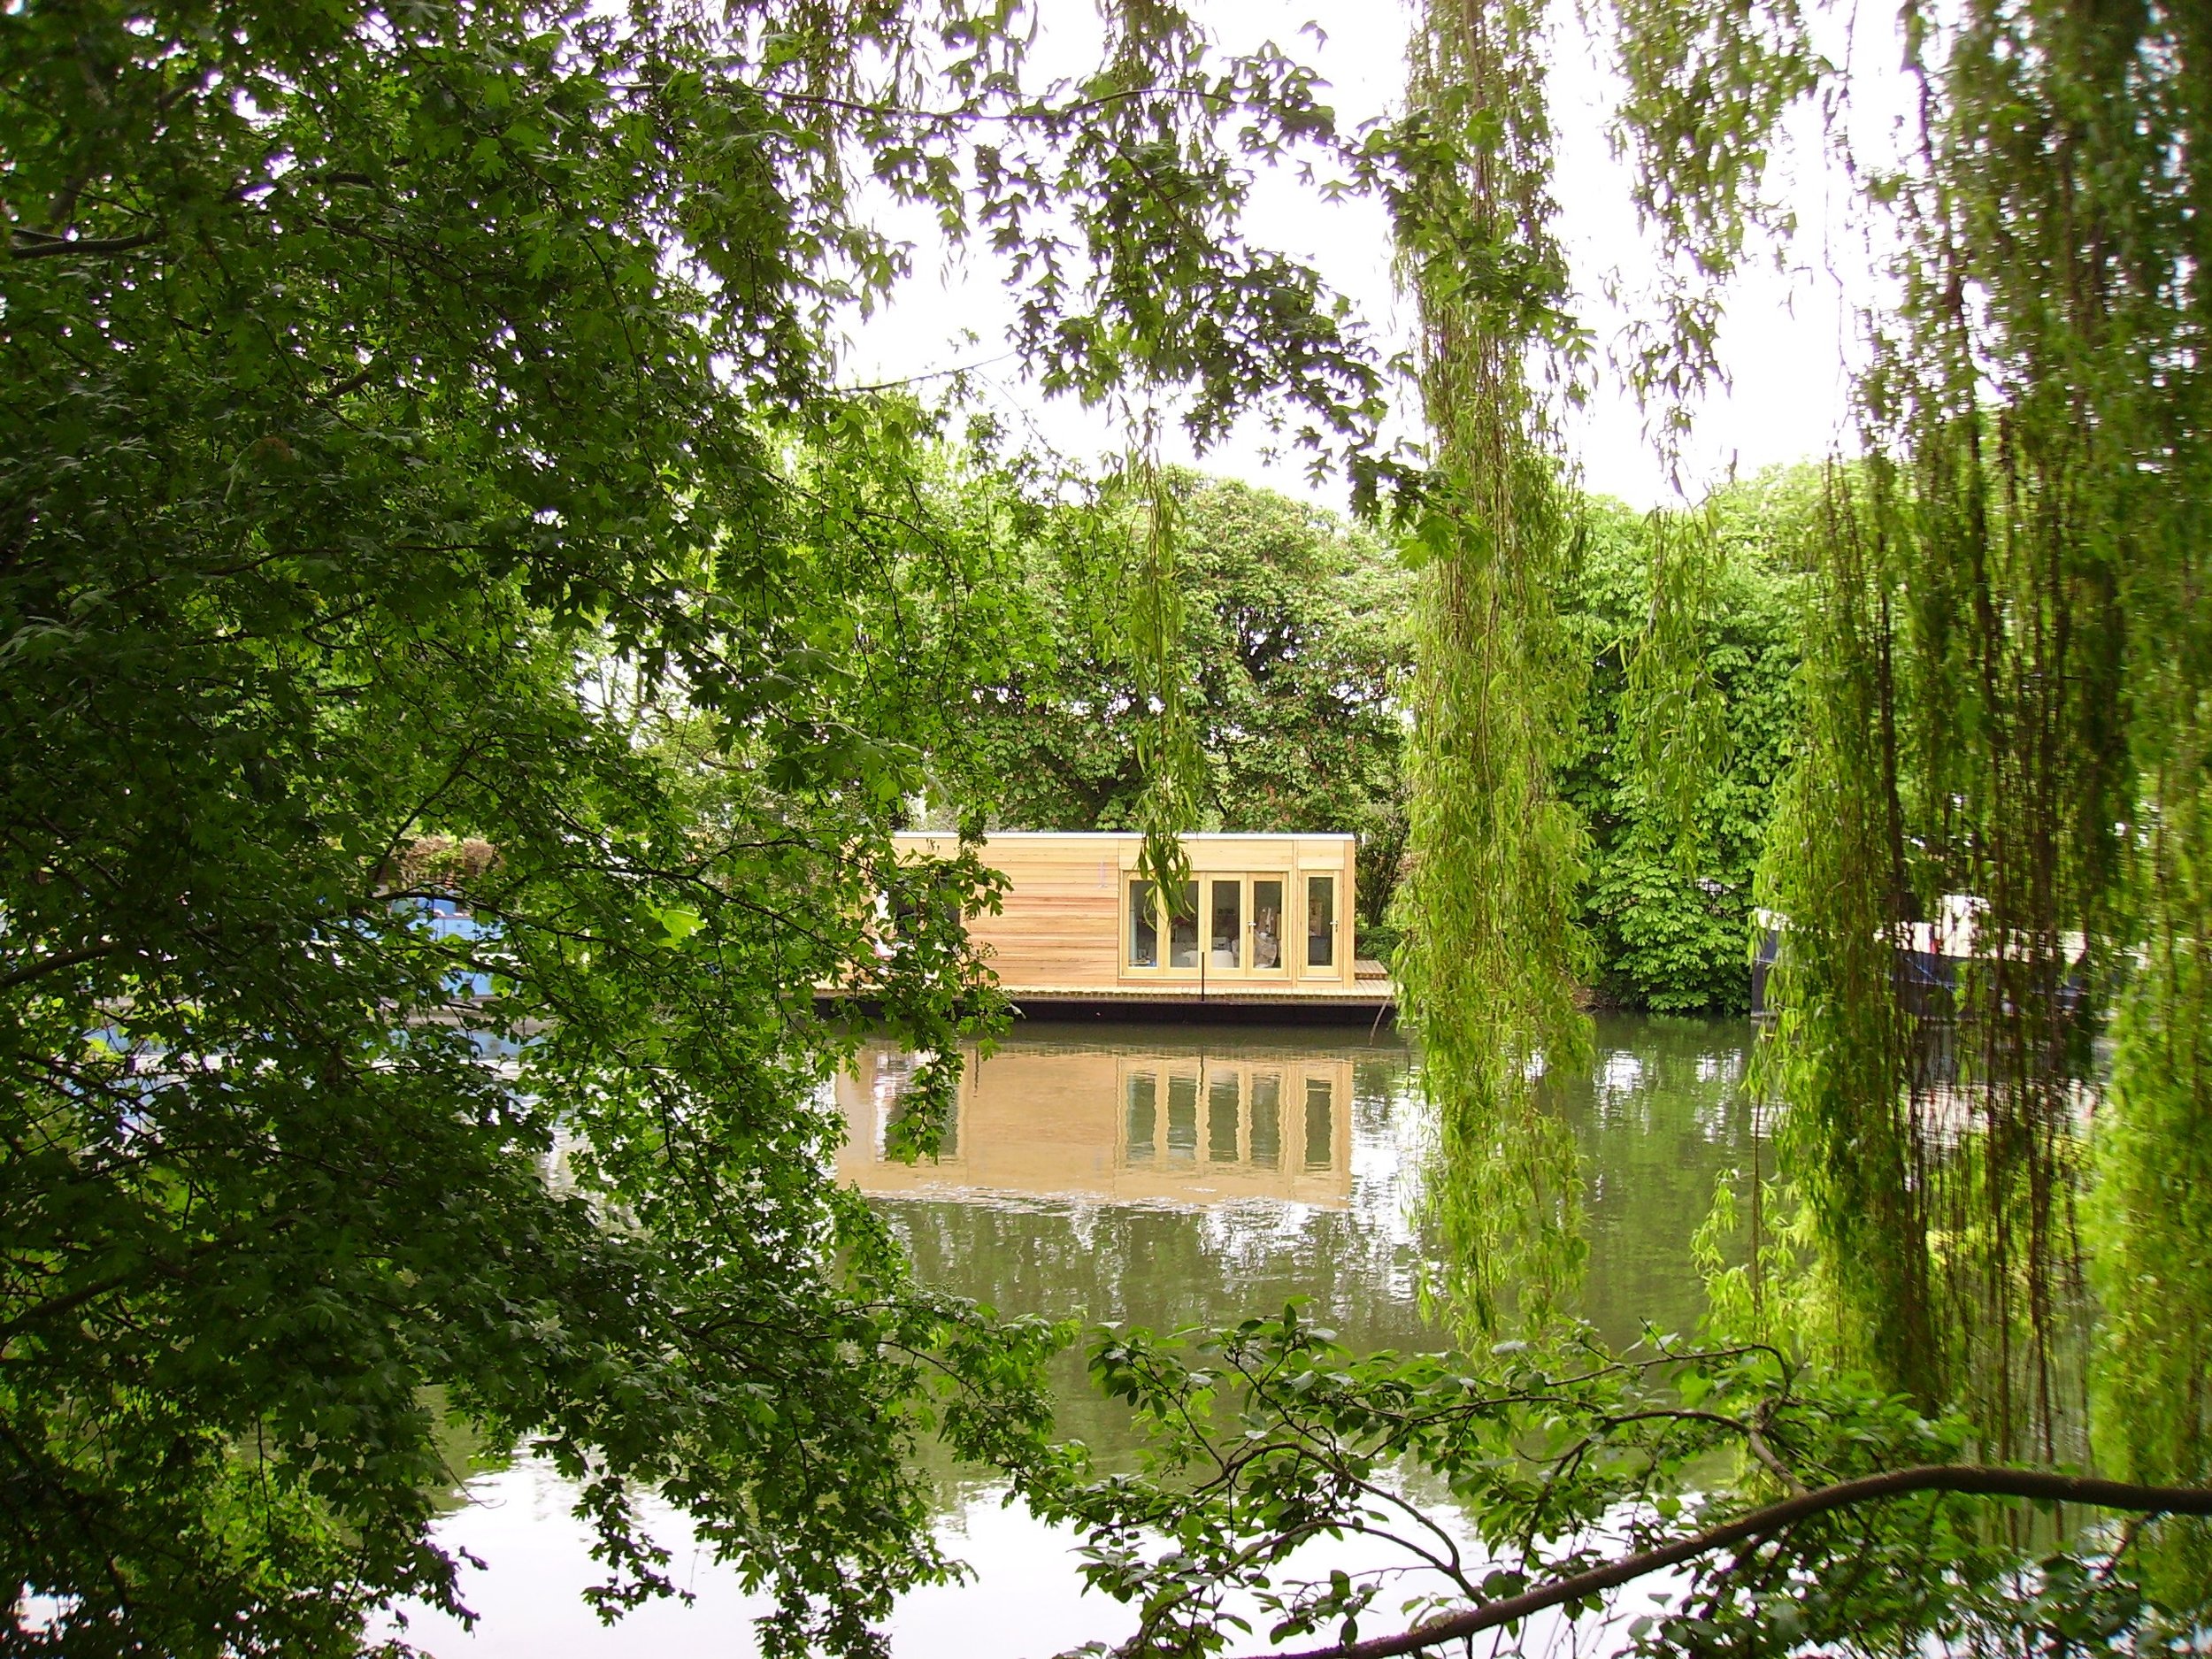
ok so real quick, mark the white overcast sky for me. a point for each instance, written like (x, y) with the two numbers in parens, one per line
(1790, 333)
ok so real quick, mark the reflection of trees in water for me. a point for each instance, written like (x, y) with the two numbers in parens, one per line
(1160, 1268)
(1501, 1199)
(1660, 1116)
(1651, 1124)
(1587, 1191)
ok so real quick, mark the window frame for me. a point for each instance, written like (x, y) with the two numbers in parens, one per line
(1334, 968)
(1292, 967)
(1211, 882)
(1130, 883)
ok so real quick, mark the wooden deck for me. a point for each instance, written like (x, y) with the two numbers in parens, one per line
(1368, 997)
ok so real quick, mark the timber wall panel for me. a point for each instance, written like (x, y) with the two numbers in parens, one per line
(1060, 927)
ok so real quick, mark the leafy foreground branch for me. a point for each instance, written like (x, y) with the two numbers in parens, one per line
(2040, 1485)
(1797, 1507)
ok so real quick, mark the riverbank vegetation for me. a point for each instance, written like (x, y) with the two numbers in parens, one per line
(1297, 651)
(463, 656)
(422, 431)
(1667, 889)
(1294, 648)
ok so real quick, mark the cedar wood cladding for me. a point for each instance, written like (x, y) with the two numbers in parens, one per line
(1065, 927)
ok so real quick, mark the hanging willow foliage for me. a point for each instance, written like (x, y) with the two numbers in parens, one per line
(1492, 961)
(1673, 704)
(1705, 86)
(1153, 41)
(1169, 755)
(2152, 1204)
(2007, 721)
(2007, 669)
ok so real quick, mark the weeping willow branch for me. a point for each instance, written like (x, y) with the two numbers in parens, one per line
(1706, 84)
(2151, 1208)
(2011, 646)
(1168, 756)
(1676, 709)
(1493, 960)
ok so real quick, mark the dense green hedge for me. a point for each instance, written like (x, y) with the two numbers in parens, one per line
(1668, 903)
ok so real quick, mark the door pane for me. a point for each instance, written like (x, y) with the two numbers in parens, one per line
(1267, 924)
(1221, 1118)
(1320, 1125)
(1320, 921)
(1182, 930)
(1228, 924)
(1144, 928)
(1267, 1121)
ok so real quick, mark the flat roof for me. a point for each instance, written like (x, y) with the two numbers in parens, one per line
(1138, 835)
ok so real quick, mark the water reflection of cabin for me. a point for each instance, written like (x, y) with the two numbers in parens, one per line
(1155, 1123)
(1264, 920)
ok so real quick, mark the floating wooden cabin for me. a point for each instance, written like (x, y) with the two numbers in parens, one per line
(1264, 922)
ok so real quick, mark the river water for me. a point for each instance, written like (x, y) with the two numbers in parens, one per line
(1154, 1175)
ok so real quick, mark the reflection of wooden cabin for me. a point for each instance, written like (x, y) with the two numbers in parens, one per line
(1124, 1127)
(1265, 920)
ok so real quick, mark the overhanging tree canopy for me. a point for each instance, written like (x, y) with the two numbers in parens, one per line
(419, 424)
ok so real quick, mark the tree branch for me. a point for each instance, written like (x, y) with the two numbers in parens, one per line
(1962, 1478)
(55, 962)
(30, 244)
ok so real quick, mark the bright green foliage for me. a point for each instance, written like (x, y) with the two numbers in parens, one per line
(1668, 897)
(2003, 694)
(2151, 1215)
(1292, 650)
(1842, 1038)
(2008, 654)
(2006, 667)
(1492, 959)
(1267, 1435)
(2006, 647)
(420, 482)
(1297, 641)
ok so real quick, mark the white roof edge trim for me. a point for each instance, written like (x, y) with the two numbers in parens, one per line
(1133, 835)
